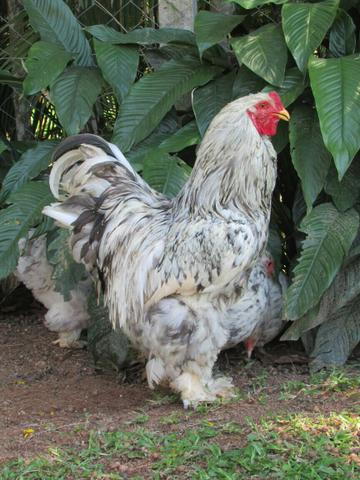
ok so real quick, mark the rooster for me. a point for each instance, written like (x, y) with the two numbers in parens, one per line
(66, 317)
(171, 268)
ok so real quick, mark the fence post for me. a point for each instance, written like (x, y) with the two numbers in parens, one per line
(177, 13)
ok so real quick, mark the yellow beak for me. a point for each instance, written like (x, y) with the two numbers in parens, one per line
(283, 115)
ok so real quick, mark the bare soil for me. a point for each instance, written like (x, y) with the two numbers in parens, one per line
(60, 396)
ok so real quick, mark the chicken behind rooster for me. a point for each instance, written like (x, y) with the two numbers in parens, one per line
(171, 269)
(67, 317)
(270, 320)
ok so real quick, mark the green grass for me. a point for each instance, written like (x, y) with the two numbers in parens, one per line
(322, 383)
(293, 447)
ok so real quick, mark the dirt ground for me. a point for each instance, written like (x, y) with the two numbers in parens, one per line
(60, 396)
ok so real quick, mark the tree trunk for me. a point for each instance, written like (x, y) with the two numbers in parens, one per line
(177, 13)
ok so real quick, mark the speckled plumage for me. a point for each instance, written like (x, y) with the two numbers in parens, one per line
(172, 269)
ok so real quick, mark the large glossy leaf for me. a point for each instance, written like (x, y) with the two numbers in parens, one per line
(44, 64)
(119, 66)
(6, 78)
(211, 27)
(336, 86)
(345, 193)
(246, 82)
(165, 173)
(264, 52)
(165, 130)
(281, 139)
(31, 163)
(248, 4)
(17, 219)
(143, 36)
(342, 39)
(305, 25)
(330, 234)
(301, 326)
(343, 291)
(74, 94)
(56, 23)
(185, 137)
(209, 100)
(336, 338)
(153, 95)
(291, 88)
(3, 147)
(309, 155)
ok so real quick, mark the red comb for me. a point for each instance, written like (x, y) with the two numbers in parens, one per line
(277, 100)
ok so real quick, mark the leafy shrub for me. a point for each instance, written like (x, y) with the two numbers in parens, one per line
(134, 88)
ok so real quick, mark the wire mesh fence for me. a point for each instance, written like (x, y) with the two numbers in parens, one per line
(16, 38)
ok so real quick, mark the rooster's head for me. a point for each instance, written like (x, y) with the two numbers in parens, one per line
(266, 113)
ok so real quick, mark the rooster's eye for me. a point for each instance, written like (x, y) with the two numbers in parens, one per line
(263, 105)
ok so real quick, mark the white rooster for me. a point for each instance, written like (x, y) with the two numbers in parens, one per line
(171, 269)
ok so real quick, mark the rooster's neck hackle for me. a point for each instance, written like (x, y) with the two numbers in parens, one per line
(235, 166)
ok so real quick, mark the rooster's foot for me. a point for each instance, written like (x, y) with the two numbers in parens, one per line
(65, 342)
(222, 387)
(192, 390)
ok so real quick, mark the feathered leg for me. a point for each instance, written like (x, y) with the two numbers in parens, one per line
(184, 343)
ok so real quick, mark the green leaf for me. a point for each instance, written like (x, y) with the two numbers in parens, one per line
(119, 66)
(210, 28)
(305, 25)
(44, 64)
(210, 99)
(3, 147)
(6, 78)
(264, 52)
(142, 36)
(17, 219)
(166, 128)
(342, 39)
(291, 88)
(56, 23)
(30, 164)
(185, 137)
(336, 86)
(109, 347)
(330, 234)
(165, 173)
(248, 4)
(246, 82)
(67, 273)
(153, 95)
(281, 139)
(342, 292)
(345, 193)
(74, 94)
(300, 326)
(336, 338)
(308, 153)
